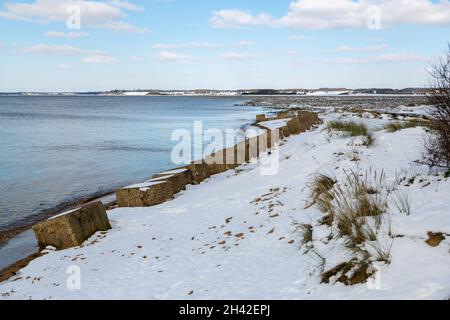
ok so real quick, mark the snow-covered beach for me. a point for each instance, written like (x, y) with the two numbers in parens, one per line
(234, 236)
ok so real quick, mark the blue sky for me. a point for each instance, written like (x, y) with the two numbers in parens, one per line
(220, 44)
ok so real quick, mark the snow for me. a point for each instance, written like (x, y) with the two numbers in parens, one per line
(176, 250)
(143, 185)
(135, 93)
(161, 178)
(173, 172)
(274, 124)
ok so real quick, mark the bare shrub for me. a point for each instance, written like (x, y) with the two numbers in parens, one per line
(437, 143)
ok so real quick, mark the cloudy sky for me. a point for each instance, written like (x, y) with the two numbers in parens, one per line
(64, 45)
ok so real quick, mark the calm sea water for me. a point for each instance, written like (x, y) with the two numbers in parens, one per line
(56, 150)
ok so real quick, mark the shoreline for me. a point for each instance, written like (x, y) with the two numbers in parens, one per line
(108, 199)
(12, 233)
(240, 225)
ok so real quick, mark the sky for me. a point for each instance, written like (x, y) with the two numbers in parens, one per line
(65, 45)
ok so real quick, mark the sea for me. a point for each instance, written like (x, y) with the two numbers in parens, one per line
(57, 151)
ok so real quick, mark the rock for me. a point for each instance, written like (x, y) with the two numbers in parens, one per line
(145, 194)
(435, 239)
(199, 171)
(179, 178)
(72, 228)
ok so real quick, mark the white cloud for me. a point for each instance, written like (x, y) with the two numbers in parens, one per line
(246, 43)
(63, 49)
(93, 13)
(173, 56)
(382, 58)
(362, 49)
(66, 35)
(329, 14)
(236, 56)
(100, 58)
(136, 59)
(237, 19)
(126, 5)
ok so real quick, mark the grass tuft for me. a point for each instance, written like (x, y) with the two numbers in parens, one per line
(397, 126)
(357, 212)
(353, 128)
(306, 230)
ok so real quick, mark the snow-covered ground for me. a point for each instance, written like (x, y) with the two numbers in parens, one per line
(233, 237)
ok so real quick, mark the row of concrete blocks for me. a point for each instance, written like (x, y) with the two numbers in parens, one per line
(163, 186)
(73, 228)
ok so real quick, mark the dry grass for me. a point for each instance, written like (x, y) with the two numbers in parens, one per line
(306, 230)
(397, 126)
(369, 140)
(353, 128)
(400, 200)
(320, 187)
(357, 211)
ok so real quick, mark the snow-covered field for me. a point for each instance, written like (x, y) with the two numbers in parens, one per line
(233, 237)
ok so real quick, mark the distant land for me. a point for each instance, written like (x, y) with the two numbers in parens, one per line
(247, 92)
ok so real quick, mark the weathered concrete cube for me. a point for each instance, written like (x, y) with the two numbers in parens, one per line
(71, 229)
(229, 155)
(273, 138)
(282, 115)
(307, 120)
(285, 132)
(263, 142)
(240, 153)
(179, 178)
(145, 194)
(261, 118)
(295, 126)
(199, 171)
(217, 161)
(251, 151)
